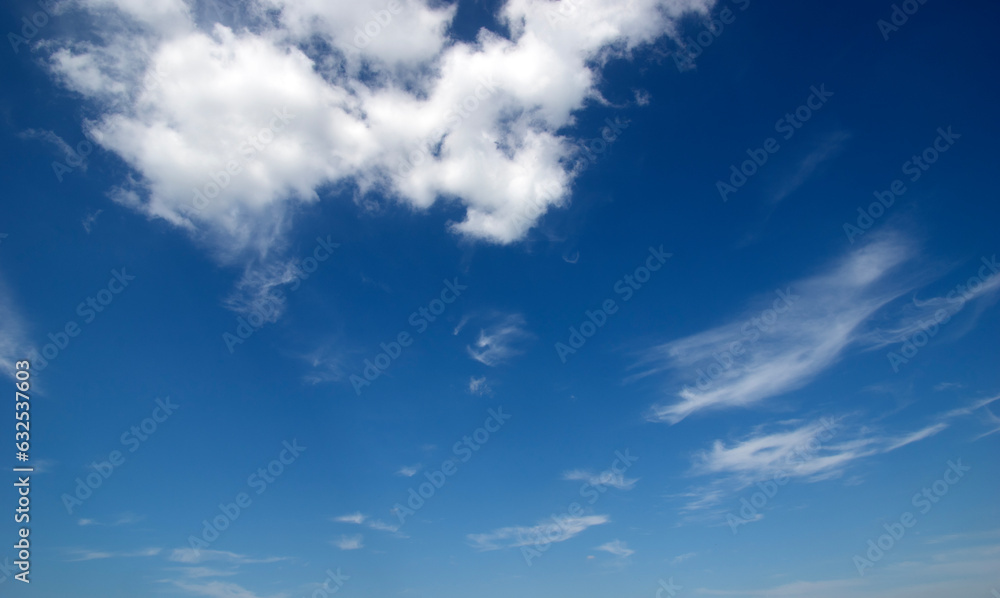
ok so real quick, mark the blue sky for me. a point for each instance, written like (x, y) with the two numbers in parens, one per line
(677, 298)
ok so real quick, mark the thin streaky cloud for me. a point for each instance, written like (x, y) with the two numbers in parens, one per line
(616, 547)
(357, 518)
(812, 451)
(823, 318)
(604, 478)
(408, 471)
(546, 532)
(501, 341)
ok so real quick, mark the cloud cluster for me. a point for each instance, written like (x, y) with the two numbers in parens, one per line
(228, 127)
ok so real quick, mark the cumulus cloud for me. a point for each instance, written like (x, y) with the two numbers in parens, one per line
(228, 124)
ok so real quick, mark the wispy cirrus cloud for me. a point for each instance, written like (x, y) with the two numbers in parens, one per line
(378, 524)
(123, 519)
(93, 555)
(616, 547)
(478, 386)
(980, 408)
(66, 153)
(607, 477)
(963, 571)
(826, 316)
(357, 518)
(218, 589)
(557, 530)
(830, 147)
(811, 451)
(814, 450)
(501, 341)
(920, 314)
(195, 556)
(14, 343)
(682, 557)
(408, 471)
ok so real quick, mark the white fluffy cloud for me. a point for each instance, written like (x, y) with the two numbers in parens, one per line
(403, 111)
